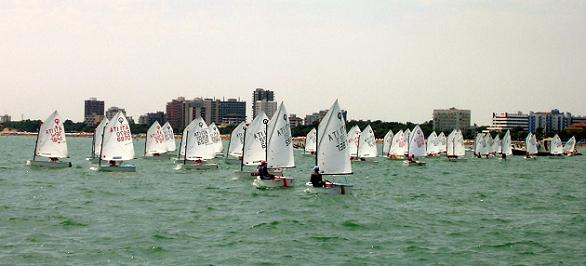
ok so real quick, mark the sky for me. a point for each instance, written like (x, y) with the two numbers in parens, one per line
(393, 60)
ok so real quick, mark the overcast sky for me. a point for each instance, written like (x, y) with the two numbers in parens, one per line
(388, 60)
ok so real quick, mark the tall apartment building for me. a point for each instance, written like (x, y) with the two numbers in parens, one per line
(174, 112)
(150, 118)
(180, 112)
(295, 121)
(93, 111)
(509, 121)
(232, 111)
(549, 122)
(112, 111)
(5, 119)
(263, 100)
(449, 119)
(316, 117)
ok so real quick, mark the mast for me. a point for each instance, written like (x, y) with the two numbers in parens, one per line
(229, 143)
(93, 155)
(243, 144)
(266, 122)
(316, 143)
(146, 139)
(102, 146)
(37, 142)
(180, 145)
(358, 147)
(185, 154)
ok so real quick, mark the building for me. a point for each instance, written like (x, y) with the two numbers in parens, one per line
(449, 119)
(578, 119)
(174, 112)
(150, 118)
(263, 100)
(316, 117)
(554, 121)
(5, 119)
(232, 111)
(295, 121)
(576, 128)
(112, 111)
(509, 121)
(93, 111)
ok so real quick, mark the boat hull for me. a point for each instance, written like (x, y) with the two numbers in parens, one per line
(122, 168)
(248, 174)
(416, 163)
(331, 189)
(47, 164)
(277, 182)
(191, 166)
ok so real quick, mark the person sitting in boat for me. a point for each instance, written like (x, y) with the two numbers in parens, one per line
(54, 159)
(411, 158)
(113, 163)
(316, 178)
(199, 161)
(263, 171)
(452, 157)
(504, 156)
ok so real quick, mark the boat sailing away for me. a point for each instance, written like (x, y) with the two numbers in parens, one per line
(570, 147)
(433, 148)
(443, 142)
(116, 146)
(310, 143)
(556, 147)
(197, 147)
(530, 146)
(155, 145)
(169, 138)
(507, 146)
(216, 139)
(366, 144)
(254, 148)
(97, 141)
(398, 146)
(387, 142)
(455, 150)
(416, 147)
(333, 155)
(353, 139)
(279, 145)
(236, 143)
(51, 144)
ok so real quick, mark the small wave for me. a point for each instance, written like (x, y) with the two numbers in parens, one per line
(351, 224)
(161, 236)
(328, 238)
(70, 222)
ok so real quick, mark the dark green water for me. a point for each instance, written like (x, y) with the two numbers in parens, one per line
(481, 212)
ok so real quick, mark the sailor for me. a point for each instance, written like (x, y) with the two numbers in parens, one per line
(316, 179)
(411, 158)
(113, 163)
(263, 171)
(504, 156)
(54, 159)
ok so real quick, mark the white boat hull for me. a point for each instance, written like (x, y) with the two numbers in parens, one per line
(49, 164)
(332, 189)
(92, 159)
(164, 156)
(122, 168)
(416, 163)
(281, 181)
(192, 166)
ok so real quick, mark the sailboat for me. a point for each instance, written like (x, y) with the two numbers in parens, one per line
(407, 139)
(506, 147)
(530, 146)
(51, 143)
(570, 147)
(97, 141)
(333, 154)
(496, 145)
(254, 149)
(490, 148)
(310, 143)
(279, 145)
(169, 138)
(398, 146)
(433, 149)
(353, 140)
(556, 146)
(387, 142)
(236, 143)
(117, 146)
(443, 148)
(154, 144)
(416, 147)
(216, 139)
(455, 145)
(367, 144)
(197, 147)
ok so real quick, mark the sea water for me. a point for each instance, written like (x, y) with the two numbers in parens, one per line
(478, 211)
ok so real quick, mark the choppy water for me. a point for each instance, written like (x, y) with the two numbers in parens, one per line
(474, 212)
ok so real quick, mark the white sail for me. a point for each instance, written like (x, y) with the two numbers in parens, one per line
(51, 140)
(399, 144)
(237, 140)
(496, 144)
(155, 140)
(367, 144)
(310, 141)
(169, 137)
(433, 144)
(280, 153)
(98, 136)
(570, 145)
(487, 144)
(216, 138)
(480, 145)
(333, 152)
(506, 147)
(117, 142)
(556, 145)
(451, 144)
(353, 138)
(442, 142)
(199, 142)
(417, 143)
(256, 140)
(189, 128)
(531, 144)
(407, 139)
(459, 149)
(387, 142)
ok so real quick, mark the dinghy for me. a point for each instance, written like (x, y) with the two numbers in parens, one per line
(353, 141)
(455, 146)
(310, 143)
(443, 148)
(416, 148)
(254, 149)
(169, 139)
(198, 147)
(433, 146)
(367, 144)
(387, 142)
(236, 144)
(556, 146)
(155, 144)
(97, 141)
(496, 145)
(279, 151)
(398, 146)
(490, 148)
(333, 154)
(570, 147)
(506, 146)
(51, 143)
(117, 146)
(530, 146)
(407, 139)
(216, 139)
